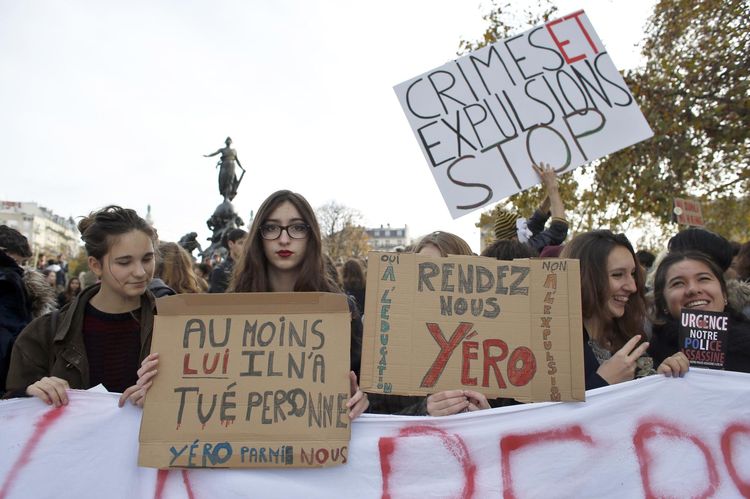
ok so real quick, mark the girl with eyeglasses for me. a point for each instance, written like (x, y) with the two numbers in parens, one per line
(284, 252)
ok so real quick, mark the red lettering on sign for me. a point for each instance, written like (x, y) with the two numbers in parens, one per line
(562, 43)
(470, 353)
(490, 361)
(446, 349)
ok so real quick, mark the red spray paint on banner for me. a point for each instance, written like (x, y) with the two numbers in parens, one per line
(40, 429)
(453, 443)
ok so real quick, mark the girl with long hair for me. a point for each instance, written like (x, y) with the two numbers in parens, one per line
(613, 306)
(284, 253)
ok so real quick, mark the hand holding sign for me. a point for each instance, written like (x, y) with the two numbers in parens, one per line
(51, 390)
(137, 393)
(359, 402)
(674, 366)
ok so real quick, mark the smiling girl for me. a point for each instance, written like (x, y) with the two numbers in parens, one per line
(104, 333)
(693, 281)
(613, 308)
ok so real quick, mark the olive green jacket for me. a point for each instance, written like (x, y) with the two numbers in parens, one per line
(40, 351)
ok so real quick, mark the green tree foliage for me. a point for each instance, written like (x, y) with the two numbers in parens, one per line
(694, 92)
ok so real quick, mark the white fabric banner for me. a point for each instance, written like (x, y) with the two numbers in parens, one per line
(655, 437)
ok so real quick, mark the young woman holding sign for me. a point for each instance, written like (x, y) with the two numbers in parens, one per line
(104, 334)
(284, 252)
(691, 280)
(614, 311)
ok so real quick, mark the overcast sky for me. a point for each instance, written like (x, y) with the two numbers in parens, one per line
(116, 102)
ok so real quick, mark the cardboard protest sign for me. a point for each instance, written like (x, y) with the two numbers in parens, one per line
(503, 328)
(688, 212)
(703, 338)
(249, 380)
(551, 94)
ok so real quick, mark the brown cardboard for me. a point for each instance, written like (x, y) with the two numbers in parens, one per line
(272, 434)
(535, 313)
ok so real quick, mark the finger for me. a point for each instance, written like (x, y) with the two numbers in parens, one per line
(150, 357)
(137, 397)
(358, 409)
(35, 391)
(444, 403)
(49, 391)
(445, 407)
(681, 363)
(147, 366)
(126, 395)
(472, 407)
(640, 350)
(666, 369)
(147, 377)
(630, 345)
(453, 409)
(353, 386)
(359, 395)
(478, 399)
(57, 388)
(445, 395)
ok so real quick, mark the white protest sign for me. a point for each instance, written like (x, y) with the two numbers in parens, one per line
(551, 94)
(653, 437)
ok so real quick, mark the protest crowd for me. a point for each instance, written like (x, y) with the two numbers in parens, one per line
(64, 335)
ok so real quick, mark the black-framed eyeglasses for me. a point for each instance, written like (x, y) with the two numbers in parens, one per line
(295, 231)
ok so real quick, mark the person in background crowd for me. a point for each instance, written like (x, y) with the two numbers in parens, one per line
(71, 291)
(355, 282)
(51, 277)
(332, 272)
(441, 243)
(175, 268)
(509, 249)
(509, 225)
(104, 335)
(692, 280)
(645, 259)
(613, 306)
(742, 263)
(283, 253)
(222, 273)
(24, 294)
(719, 249)
(62, 274)
(203, 270)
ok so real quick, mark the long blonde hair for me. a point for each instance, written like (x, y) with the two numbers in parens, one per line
(175, 268)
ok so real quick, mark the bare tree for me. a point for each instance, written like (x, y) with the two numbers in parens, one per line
(343, 236)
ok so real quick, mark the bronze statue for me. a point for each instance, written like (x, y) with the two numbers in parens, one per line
(228, 181)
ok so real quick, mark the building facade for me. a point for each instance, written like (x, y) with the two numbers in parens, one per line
(47, 232)
(388, 238)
